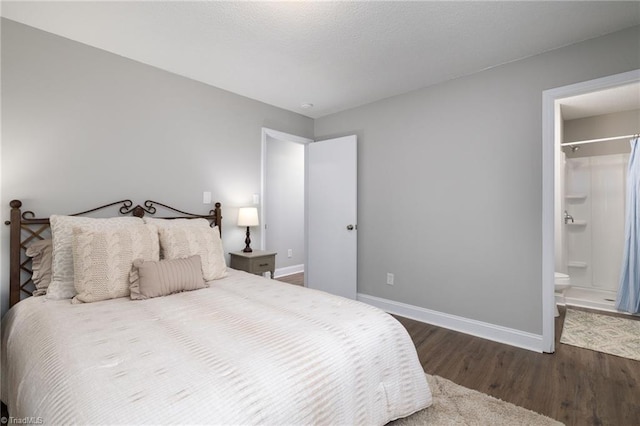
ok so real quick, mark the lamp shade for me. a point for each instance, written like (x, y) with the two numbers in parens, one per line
(248, 216)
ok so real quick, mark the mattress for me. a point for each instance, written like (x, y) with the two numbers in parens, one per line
(246, 350)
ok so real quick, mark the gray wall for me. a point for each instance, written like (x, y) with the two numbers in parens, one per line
(601, 126)
(82, 127)
(450, 180)
(285, 201)
(449, 176)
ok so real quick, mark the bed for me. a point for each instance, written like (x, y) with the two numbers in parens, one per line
(240, 349)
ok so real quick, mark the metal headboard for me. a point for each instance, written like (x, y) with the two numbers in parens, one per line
(26, 228)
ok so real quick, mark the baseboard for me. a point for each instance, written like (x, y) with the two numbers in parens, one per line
(288, 270)
(497, 333)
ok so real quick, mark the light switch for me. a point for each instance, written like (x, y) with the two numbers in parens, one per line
(256, 198)
(206, 197)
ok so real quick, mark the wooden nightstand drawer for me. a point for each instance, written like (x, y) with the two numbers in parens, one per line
(264, 264)
(256, 262)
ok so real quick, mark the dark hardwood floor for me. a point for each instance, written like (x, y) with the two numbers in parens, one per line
(573, 385)
(297, 279)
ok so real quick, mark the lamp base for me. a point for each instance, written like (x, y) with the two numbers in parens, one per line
(247, 242)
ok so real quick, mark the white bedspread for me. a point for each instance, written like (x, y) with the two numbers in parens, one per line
(247, 350)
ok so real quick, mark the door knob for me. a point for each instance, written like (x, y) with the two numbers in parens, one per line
(350, 227)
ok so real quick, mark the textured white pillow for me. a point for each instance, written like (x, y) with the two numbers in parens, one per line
(61, 286)
(178, 242)
(40, 253)
(176, 223)
(102, 260)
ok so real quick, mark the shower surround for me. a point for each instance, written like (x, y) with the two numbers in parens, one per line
(595, 198)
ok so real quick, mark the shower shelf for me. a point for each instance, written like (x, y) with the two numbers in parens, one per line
(577, 223)
(575, 197)
(576, 264)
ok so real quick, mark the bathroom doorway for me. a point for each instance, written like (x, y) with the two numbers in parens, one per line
(594, 223)
(581, 100)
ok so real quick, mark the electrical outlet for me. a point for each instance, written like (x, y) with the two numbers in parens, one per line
(289, 253)
(390, 278)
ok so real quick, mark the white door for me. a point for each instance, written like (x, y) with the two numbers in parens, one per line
(332, 242)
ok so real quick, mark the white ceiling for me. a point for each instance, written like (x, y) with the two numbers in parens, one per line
(336, 55)
(622, 98)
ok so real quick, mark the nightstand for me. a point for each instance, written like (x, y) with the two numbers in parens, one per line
(257, 262)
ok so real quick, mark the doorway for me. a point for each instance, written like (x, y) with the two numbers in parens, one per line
(329, 234)
(282, 207)
(552, 203)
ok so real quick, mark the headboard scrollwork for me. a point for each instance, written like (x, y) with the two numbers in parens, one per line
(26, 228)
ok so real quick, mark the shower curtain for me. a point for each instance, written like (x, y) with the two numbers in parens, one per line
(628, 298)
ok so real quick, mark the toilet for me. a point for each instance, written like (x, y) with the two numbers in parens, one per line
(562, 283)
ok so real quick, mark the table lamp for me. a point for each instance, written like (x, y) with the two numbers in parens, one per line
(248, 216)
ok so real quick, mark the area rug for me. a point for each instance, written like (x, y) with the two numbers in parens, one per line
(456, 405)
(602, 333)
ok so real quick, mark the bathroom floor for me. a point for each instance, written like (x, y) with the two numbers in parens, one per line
(589, 298)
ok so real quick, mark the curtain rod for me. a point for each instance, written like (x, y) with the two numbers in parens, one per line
(598, 140)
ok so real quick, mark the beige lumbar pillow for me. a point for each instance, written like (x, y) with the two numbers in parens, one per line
(154, 279)
(102, 260)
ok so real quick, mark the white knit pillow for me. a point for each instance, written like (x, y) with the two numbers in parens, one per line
(178, 242)
(102, 260)
(61, 286)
